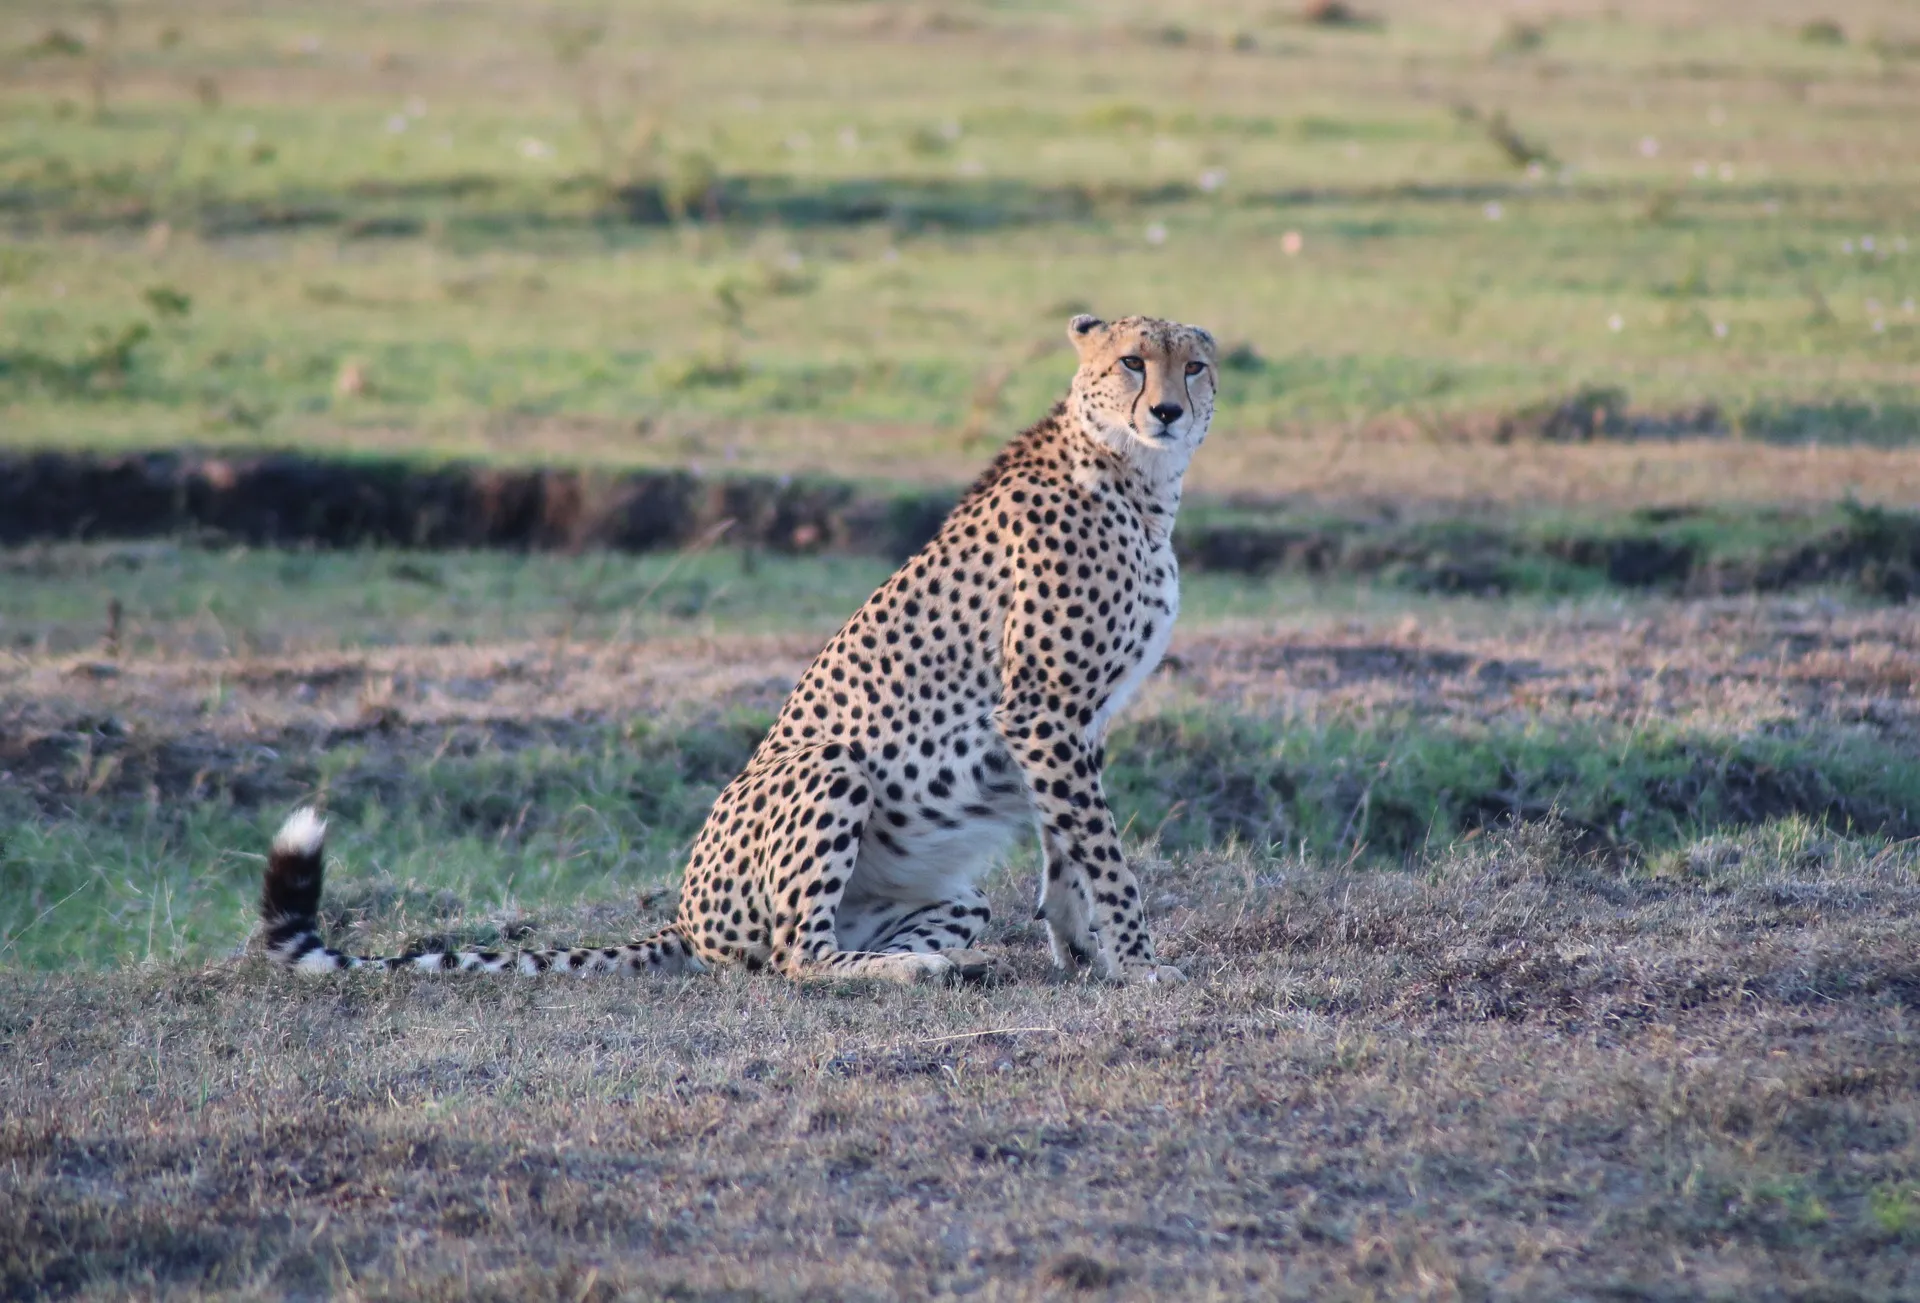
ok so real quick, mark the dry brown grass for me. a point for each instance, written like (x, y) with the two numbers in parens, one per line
(1723, 666)
(1517, 1077)
(1436, 468)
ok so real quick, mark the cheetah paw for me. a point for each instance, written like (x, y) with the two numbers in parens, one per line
(1151, 975)
(970, 965)
(916, 969)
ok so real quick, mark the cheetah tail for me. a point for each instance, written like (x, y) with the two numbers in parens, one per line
(290, 913)
(290, 894)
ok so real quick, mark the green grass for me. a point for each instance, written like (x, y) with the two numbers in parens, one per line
(1389, 788)
(132, 857)
(501, 752)
(904, 204)
(534, 816)
(181, 599)
(1539, 551)
(242, 601)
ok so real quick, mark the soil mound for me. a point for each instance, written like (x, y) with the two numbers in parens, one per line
(291, 499)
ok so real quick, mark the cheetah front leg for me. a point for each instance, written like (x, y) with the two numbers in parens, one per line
(1089, 897)
(1064, 909)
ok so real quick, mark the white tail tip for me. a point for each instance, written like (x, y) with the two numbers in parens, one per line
(301, 834)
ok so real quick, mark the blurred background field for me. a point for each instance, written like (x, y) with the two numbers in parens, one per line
(842, 237)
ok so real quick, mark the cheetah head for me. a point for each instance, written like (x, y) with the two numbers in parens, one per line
(1144, 386)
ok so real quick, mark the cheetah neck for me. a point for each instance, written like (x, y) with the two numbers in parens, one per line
(1150, 478)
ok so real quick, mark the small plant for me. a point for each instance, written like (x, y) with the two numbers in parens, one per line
(100, 69)
(55, 43)
(1520, 37)
(1661, 207)
(1896, 1210)
(1334, 13)
(1589, 412)
(1120, 117)
(572, 40)
(626, 164)
(1823, 31)
(788, 277)
(1520, 151)
(934, 140)
(1892, 49)
(1243, 358)
(1819, 311)
(107, 362)
(692, 187)
(103, 365)
(702, 371)
(1457, 305)
(1692, 285)
(167, 301)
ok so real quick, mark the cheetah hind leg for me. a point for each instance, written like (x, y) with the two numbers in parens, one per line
(829, 798)
(948, 928)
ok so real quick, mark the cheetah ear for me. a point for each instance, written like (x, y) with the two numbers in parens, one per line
(1080, 331)
(1206, 337)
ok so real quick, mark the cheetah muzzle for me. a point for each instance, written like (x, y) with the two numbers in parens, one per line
(968, 698)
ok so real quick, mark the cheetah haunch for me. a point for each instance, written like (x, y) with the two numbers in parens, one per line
(968, 698)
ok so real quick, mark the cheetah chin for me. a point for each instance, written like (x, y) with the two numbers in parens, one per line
(969, 698)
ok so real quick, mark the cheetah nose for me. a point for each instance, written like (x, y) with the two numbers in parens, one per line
(1168, 413)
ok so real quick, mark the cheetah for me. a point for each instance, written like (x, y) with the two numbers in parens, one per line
(968, 698)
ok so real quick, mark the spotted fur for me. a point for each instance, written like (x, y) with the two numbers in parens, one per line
(968, 698)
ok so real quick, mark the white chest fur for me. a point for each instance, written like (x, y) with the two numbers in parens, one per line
(1158, 609)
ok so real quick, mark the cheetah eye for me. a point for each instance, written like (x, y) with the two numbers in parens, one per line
(1133, 364)
(1195, 368)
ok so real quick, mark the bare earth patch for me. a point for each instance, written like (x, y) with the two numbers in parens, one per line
(1723, 665)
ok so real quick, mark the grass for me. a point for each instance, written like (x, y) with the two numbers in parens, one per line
(186, 600)
(145, 849)
(1558, 551)
(1540, 948)
(1515, 1075)
(182, 601)
(861, 259)
(530, 731)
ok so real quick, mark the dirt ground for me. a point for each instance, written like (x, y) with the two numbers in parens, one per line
(1723, 665)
